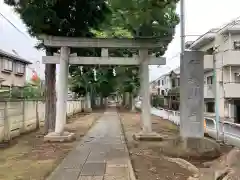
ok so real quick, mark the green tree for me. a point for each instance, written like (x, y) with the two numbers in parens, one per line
(147, 18)
(71, 18)
(29, 91)
(131, 84)
(126, 79)
(32, 92)
(82, 81)
(134, 18)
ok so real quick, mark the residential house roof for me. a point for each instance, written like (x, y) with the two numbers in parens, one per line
(176, 71)
(17, 58)
(203, 39)
(232, 27)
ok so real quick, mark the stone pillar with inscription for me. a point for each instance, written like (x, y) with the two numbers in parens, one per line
(192, 95)
(192, 107)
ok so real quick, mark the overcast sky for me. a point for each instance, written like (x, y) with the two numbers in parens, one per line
(201, 15)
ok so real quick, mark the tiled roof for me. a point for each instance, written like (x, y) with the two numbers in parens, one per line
(17, 58)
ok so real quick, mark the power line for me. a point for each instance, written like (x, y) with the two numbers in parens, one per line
(14, 25)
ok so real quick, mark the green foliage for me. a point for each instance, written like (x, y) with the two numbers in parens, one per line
(101, 18)
(147, 18)
(174, 91)
(59, 17)
(83, 82)
(128, 80)
(29, 91)
(32, 92)
(116, 32)
(157, 101)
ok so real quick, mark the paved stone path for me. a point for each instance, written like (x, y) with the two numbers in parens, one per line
(101, 155)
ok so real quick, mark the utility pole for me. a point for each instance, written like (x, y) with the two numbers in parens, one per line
(182, 26)
(216, 92)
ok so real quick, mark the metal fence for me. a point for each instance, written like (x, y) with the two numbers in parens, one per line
(229, 132)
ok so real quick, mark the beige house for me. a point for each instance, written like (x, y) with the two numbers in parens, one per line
(13, 70)
(166, 82)
(226, 43)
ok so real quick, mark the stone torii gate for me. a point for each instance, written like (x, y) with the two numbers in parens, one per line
(143, 59)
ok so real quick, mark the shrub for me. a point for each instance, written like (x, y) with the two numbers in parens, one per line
(157, 101)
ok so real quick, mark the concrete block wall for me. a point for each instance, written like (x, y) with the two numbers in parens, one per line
(21, 116)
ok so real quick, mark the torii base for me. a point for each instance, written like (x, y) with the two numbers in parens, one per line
(56, 137)
(150, 136)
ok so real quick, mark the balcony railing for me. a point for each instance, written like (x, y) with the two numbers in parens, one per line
(232, 90)
(231, 58)
(208, 62)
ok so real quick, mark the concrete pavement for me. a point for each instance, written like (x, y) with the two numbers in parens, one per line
(101, 155)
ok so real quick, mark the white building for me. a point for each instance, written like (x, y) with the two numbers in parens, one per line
(166, 82)
(226, 42)
(163, 86)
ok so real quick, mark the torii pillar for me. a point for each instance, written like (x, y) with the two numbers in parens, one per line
(146, 133)
(62, 94)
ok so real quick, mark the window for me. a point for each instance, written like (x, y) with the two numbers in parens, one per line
(163, 93)
(209, 80)
(158, 91)
(20, 68)
(178, 81)
(210, 107)
(173, 83)
(7, 65)
(158, 82)
(236, 45)
(162, 82)
(236, 77)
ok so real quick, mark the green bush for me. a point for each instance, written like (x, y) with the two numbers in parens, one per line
(157, 101)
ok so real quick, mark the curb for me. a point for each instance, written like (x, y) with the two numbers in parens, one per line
(131, 174)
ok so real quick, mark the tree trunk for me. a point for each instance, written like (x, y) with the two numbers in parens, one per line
(50, 96)
(105, 102)
(37, 116)
(124, 99)
(101, 101)
(93, 100)
(127, 99)
(132, 102)
(88, 100)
